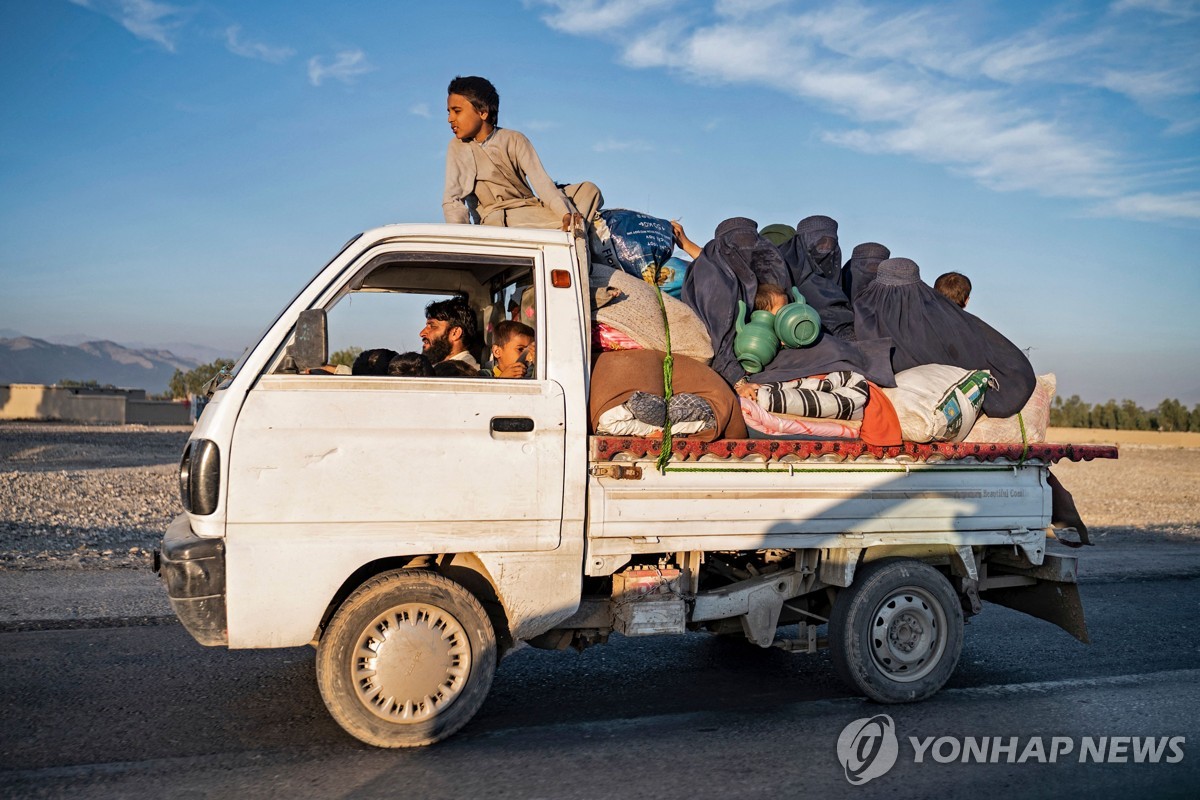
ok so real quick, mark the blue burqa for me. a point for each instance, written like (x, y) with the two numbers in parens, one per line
(862, 267)
(929, 329)
(814, 261)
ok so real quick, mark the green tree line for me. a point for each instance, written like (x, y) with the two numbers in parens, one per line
(1124, 415)
(193, 381)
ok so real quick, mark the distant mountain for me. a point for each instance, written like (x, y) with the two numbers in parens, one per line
(27, 360)
(199, 353)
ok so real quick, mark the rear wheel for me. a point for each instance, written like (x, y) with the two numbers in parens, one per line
(896, 634)
(407, 659)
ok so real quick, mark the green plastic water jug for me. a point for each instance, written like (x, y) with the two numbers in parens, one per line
(756, 343)
(797, 324)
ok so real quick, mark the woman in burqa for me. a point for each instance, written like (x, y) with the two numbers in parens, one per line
(929, 329)
(862, 267)
(728, 269)
(814, 261)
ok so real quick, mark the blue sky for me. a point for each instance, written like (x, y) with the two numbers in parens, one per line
(172, 172)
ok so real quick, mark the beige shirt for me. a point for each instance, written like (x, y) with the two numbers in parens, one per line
(484, 179)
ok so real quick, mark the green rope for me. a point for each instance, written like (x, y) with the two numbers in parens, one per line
(1024, 440)
(664, 454)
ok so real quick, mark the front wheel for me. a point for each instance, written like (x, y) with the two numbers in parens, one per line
(896, 634)
(407, 659)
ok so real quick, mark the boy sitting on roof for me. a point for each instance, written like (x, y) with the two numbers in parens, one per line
(493, 172)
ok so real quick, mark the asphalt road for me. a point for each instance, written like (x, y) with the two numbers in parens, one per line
(143, 711)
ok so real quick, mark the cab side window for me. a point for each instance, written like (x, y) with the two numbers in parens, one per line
(410, 315)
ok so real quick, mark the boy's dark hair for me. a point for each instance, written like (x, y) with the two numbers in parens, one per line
(508, 328)
(454, 368)
(955, 286)
(373, 362)
(410, 365)
(766, 293)
(481, 94)
(458, 313)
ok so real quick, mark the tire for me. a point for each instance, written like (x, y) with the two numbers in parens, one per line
(895, 635)
(434, 657)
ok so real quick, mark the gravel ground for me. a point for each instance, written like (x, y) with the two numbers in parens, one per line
(91, 497)
(100, 497)
(1149, 492)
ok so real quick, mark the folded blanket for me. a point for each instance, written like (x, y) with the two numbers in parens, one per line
(838, 395)
(606, 337)
(636, 313)
(764, 421)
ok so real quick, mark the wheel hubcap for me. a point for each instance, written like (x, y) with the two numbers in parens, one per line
(411, 662)
(907, 638)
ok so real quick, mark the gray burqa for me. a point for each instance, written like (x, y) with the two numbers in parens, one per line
(814, 260)
(730, 268)
(862, 267)
(929, 329)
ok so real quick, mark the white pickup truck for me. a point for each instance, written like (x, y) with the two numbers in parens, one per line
(416, 530)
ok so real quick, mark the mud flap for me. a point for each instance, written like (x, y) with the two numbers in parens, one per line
(1052, 601)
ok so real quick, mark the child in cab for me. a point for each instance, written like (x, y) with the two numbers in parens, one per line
(512, 349)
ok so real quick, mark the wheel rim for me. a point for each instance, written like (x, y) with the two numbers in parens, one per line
(410, 663)
(908, 634)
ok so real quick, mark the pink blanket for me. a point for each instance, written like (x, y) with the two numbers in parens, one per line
(784, 425)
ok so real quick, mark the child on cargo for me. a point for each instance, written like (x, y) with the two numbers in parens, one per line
(955, 286)
(769, 297)
(493, 173)
(512, 349)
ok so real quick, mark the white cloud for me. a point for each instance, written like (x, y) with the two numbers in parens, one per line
(257, 50)
(1183, 9)
(742, 8)
(538, 125)
(1152, 207)
(590, 17)
(1013, 112)
(145, 19)
(421, 110)
(346, 66)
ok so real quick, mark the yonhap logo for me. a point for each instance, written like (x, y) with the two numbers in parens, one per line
(868, 748)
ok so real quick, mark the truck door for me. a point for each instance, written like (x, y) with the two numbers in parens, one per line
(389, 465)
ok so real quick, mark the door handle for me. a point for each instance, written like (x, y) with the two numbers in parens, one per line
(512, 424)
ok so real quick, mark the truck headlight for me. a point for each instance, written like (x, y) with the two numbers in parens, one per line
(200, 476)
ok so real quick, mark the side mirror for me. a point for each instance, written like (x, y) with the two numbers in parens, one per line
(310, 347)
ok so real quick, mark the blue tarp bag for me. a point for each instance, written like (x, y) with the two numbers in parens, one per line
(632, 242)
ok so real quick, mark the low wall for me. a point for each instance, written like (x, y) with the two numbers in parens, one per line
(156, 412)
(36, 402)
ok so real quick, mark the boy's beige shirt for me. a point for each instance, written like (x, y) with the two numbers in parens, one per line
(515, 168)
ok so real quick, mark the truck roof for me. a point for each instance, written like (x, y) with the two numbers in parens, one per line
(484, 233)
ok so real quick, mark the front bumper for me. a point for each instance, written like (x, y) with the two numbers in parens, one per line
(193, 570)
